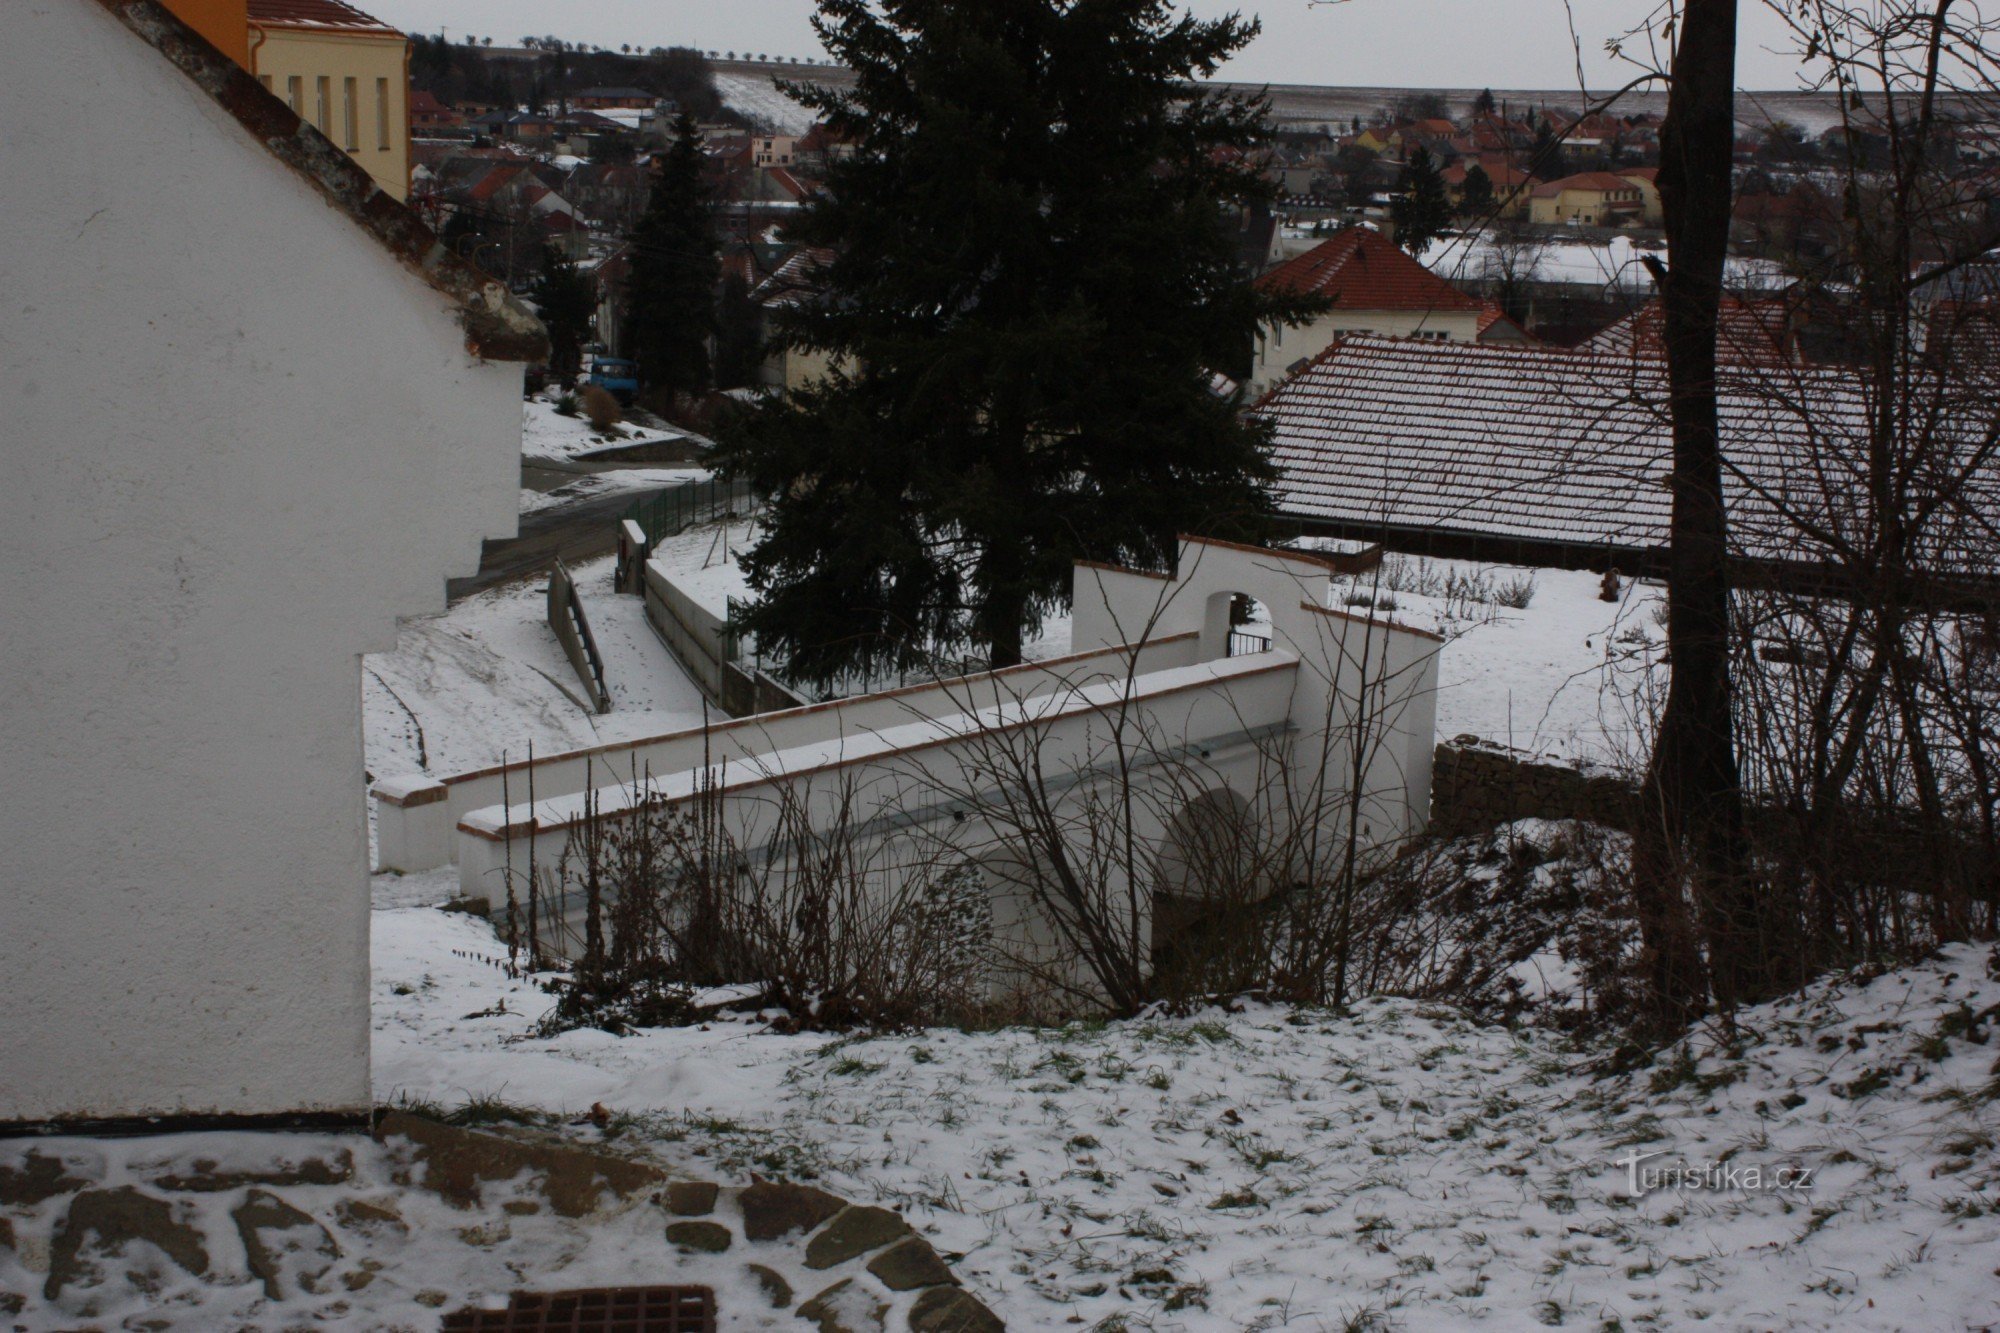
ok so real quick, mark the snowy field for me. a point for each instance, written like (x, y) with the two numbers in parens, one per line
(757, 97)
(548, 434)
(1569, 674)
(1399, 1167)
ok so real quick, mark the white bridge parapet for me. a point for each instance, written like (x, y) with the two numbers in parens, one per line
(1314, 700)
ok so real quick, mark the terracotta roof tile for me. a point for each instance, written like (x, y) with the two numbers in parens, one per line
(315, 14)
(1362, 269)
(1574, 448)
(1749, 333)
(1586, 180)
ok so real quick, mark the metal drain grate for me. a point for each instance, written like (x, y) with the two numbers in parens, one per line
(601, 1310)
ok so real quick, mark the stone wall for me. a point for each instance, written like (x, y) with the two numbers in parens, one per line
(1477, 785)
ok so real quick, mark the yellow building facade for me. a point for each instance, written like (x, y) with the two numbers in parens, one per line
(347, 73)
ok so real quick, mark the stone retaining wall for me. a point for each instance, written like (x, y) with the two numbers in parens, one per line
(1477, 785)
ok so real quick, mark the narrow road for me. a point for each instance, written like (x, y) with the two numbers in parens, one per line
(573, 533)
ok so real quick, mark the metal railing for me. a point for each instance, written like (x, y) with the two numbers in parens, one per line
(572, 629)
(674, 511)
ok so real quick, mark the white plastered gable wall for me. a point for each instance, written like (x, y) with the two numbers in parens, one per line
(241, 439)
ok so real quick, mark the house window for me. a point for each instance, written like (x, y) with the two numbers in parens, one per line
(350, 116)
(323, 110)
(295, 94)
(382, 114)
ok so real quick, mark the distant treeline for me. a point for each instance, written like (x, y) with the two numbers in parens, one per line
(456, 72)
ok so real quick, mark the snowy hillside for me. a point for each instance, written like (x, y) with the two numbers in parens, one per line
(1400, 1166)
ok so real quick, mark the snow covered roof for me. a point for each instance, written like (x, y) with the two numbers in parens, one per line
(316, 14)
(1568, 448)
(497, 327)
(1593, 182)
(1754, 333)
(1361, 269)
(796, 280)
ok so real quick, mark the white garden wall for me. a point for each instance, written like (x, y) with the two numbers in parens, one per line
(240, 440)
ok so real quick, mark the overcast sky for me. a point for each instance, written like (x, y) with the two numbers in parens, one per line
(1373, 43)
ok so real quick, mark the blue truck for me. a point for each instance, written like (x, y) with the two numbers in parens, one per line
(616, 376)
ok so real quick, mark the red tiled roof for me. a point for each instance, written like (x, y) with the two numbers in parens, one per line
(497, 327)
(1650, 174)
(1748, 333)
(496, 180)
(1360, 269)
(1504, 177)
(1585, 180)
(315, 14)
(1493, 317)
(1383, 433)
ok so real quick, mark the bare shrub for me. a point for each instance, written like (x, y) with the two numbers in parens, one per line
(1531, 920)
(666, 918)
(599, 406)
(1515, 593)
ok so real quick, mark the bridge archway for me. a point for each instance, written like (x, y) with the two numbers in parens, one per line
(1235, 624)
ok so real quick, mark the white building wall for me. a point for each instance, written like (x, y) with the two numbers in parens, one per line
(240, 440)
(1278, 349)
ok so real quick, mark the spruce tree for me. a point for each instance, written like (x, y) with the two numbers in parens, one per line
(1421, 209)
(1484, 104)
(670, 290)
(1475, 197)
(566, 300)
(1545, 159)
(1031, 278)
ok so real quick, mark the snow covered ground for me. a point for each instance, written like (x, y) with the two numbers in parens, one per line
(759, 98)
(547, 433)
(1616, 264)
(590, 484)
(1397, 1167)
(488, 677)
(1569, 674)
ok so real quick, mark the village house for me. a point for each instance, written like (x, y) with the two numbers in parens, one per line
(774, 150)
(794, 282)
(1588, 199)
(1374, 288)
(1512, 186)
(346, 72)
(1648, 181)
(226, 505)
(613, 99)
(428, 115)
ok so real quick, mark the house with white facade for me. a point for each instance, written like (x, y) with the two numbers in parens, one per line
(1371, 287)
(252, 414)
